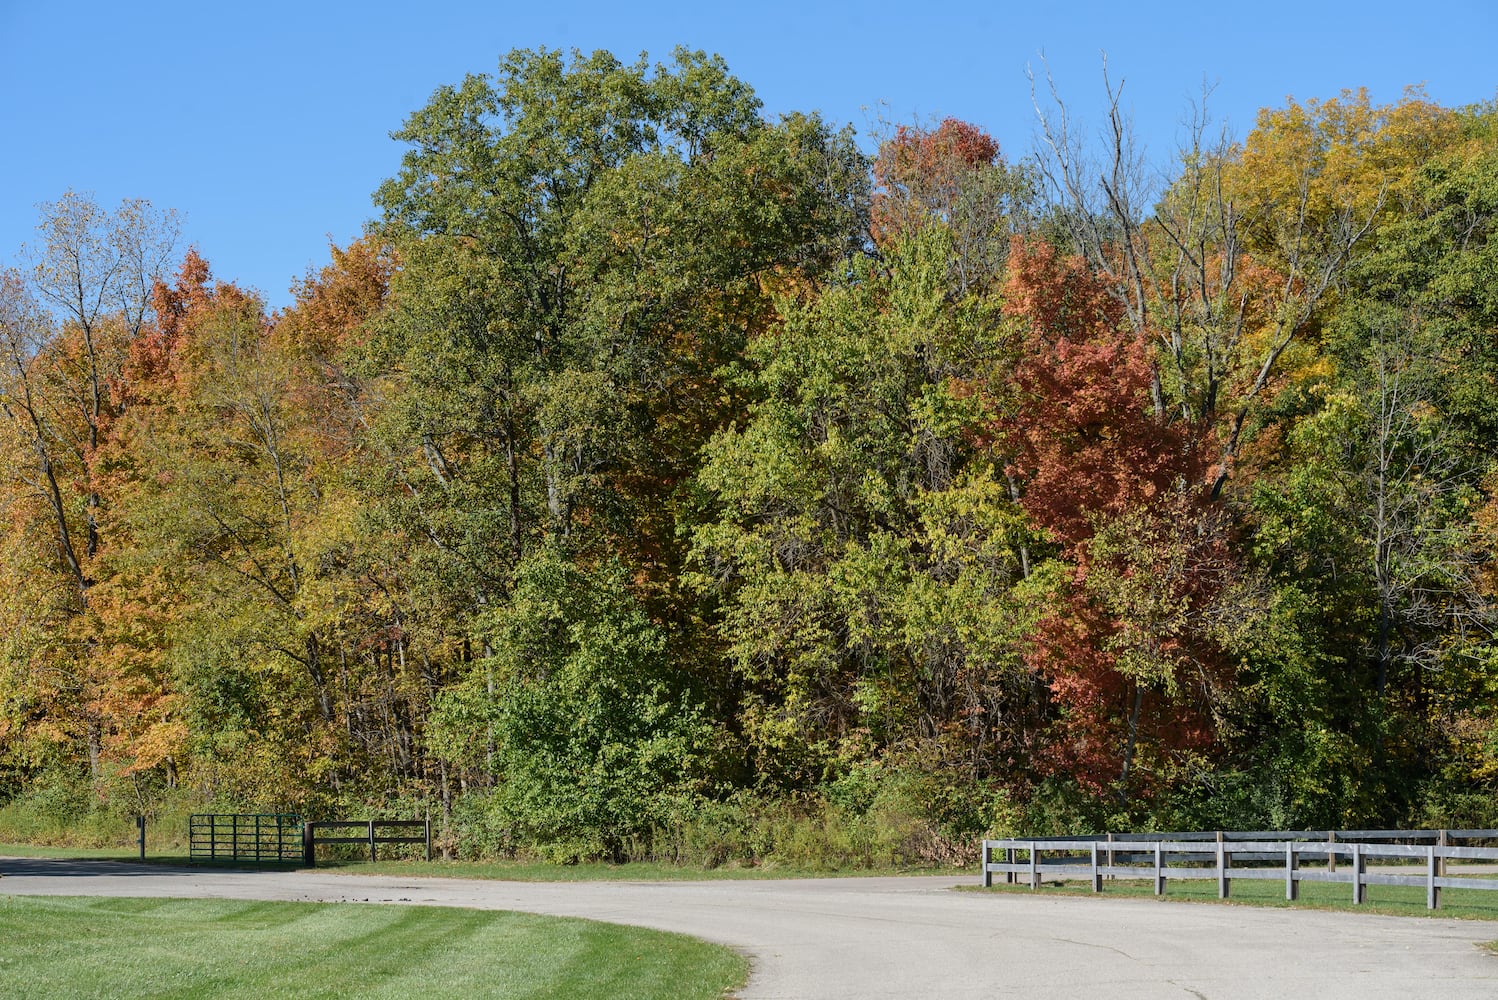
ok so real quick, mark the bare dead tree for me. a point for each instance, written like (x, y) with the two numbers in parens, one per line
(1177, 250)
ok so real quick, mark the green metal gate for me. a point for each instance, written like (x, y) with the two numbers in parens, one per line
(245, 837)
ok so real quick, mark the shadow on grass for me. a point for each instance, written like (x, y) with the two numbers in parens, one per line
(126, 861)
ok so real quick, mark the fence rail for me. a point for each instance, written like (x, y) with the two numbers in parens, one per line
(1277, 855)
(312, 837)
(258, 837)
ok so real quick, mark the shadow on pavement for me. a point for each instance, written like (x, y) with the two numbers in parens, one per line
(94, 867)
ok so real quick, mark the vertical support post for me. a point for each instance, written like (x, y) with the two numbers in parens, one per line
(1159, 871)
(1111, 862)
(140, 828)
(309, 845)
(1441, 841)
(1331, 856)
(1432, 891)
(1292, 867)
(1097, 876)
(234, 838)
(983, 857)
(1359, 890)
(1223, 860)
(427, 830)
(372, 857)
(1009, 854)
(1034, 866)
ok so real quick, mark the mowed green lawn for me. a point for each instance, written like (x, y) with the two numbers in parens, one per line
(76, 947)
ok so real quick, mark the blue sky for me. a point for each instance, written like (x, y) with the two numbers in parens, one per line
(266, 125)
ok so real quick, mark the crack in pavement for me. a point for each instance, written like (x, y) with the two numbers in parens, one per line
(1182, 986)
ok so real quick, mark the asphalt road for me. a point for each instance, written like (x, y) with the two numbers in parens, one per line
(821, 939)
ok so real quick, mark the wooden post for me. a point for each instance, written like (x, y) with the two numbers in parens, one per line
(1034, 866)
(1223, 860)
(1432, 891)
(1441, 841)
(428, 830)
(1292, 865)
(1097, 877)
(1359, 890)
(372, 857)
(1009, 854)
(983, 863)
(1159, 872)
(1331, 856)
(140, 828)
(1111, 862)
(309, 846)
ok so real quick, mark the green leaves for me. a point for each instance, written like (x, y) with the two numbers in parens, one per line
(592, 737)
(858, 538)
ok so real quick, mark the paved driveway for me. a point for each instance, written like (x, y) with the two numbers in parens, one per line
(870, 938)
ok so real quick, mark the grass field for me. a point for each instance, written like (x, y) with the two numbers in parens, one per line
(1395, 900)
(73, 947)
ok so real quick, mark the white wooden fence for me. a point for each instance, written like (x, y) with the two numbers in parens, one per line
(1273, 855)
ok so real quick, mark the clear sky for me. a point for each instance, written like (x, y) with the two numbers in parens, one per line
(266, 124)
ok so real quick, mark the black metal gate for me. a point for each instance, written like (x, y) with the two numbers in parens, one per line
(245, 837)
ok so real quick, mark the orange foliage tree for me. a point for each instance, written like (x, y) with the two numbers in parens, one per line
(1127, 650)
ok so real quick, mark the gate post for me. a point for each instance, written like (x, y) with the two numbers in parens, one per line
(309, 845)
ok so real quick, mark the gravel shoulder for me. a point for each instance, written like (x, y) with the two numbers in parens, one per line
(914, 937)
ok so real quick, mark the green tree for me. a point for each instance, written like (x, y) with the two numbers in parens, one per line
(585, 247)
(860, 536)
(594, 740)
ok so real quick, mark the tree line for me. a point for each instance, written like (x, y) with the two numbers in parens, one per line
(654, 478)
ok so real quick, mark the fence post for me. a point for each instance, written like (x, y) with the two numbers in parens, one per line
(372, 857)
(140, 828)
(1009, 853)
(1111, 862)
(1159, 872)
(1441, 841)
(1097, 878)
(1432, 891)
(1292, 864)
(309, 844)
(1223, 860)
(427, 830)
(1034, 866)
(983, 864)
(1359, 890)
(1331, 856)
